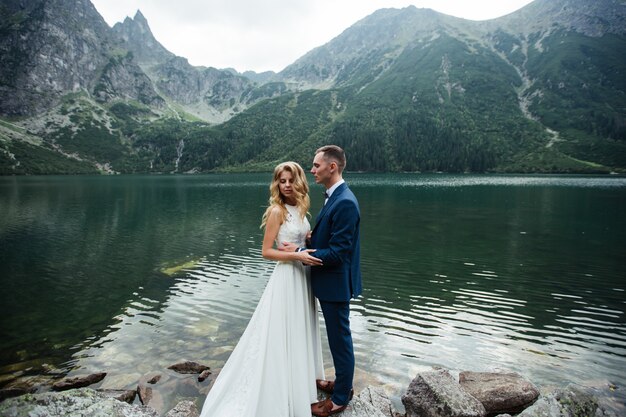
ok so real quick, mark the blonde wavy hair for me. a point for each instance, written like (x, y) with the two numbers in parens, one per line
(300, 187)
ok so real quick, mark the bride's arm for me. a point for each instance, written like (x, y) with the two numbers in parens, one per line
(269, 252)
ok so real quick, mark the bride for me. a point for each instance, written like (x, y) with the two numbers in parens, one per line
(273, 369)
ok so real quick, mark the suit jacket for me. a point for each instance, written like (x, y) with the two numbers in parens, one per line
(336, 238)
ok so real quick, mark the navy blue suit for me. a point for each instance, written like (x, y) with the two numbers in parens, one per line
(336, 240)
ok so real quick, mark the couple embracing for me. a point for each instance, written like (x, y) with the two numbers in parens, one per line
(276, 368)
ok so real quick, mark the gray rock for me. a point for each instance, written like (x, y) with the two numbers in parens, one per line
(499, 392)
(437, 394)
(71, 403)
(188, 367)
(78, 381)
(127, 396)
(569, 402)
(371, 402)
(378, 398)
(184, 409)
(359, 407)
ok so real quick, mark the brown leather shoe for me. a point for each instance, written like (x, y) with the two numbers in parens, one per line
(325, 408)
(326, 386)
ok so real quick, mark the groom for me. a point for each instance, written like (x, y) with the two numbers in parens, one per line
(336, 240)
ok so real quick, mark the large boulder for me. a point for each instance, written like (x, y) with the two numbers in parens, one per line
(361, 407)
(571, 401)
(71, 403)
(438, 394)
(499, 392)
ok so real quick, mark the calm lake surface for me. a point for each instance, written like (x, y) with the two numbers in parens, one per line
(130, 274)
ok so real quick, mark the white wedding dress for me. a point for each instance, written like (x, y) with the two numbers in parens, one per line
(272, 370)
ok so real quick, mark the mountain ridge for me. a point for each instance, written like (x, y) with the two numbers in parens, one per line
(402, 89)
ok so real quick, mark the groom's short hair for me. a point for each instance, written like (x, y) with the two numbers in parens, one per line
(334, 153)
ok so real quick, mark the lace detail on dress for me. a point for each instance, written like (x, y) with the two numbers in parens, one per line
(294, 229)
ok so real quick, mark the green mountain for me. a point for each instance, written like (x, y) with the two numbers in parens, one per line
(539, 90)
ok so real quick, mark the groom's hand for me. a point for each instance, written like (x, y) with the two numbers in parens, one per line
(307, 259)
(288, 247)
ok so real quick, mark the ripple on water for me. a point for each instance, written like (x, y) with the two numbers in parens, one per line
(463, 272)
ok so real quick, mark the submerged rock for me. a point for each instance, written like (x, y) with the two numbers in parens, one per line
(127, 396)
(78, 381)
(72, 403)
(204, 375)
(154, 379)
(151, 397)
(119, 381)
(437, 394)
(15, 391)
(145, 394)
(499, 392)
(188, 367)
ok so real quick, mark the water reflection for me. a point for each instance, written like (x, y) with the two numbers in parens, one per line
(75, 248)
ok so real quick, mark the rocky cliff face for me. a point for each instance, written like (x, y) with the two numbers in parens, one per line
(207, 93)
(137, 37)
(49, 48)
(54, 47)
(122, 79)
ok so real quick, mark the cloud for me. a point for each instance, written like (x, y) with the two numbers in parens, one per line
(269, 34)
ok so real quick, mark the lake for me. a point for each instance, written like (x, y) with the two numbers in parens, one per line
(130, 274)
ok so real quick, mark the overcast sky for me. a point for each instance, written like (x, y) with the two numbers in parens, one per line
(262, 35)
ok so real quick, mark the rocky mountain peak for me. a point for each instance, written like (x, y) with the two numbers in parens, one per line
(141, 19)
(590, 17)
(138, 38)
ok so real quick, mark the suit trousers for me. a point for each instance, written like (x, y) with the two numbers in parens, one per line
(337, 318)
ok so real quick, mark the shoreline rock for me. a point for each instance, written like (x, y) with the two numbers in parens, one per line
(569, 401)
(437, 394)
(73, 402)
(499, 393)
(434, 393)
